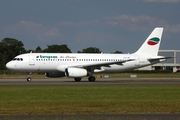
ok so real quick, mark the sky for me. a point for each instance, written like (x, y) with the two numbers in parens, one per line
(109, 25)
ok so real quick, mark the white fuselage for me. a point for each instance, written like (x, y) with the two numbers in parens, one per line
(52, 62)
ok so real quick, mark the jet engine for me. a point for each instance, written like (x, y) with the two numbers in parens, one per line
(76, 72)
(55, 74)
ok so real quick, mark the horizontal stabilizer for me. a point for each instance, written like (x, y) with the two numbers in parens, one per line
(159, 59)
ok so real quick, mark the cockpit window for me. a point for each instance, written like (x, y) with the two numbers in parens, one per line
(17, 59)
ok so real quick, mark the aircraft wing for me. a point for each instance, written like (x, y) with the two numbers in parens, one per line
(98, 65)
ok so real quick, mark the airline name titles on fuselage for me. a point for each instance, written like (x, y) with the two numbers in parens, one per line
(49, 57)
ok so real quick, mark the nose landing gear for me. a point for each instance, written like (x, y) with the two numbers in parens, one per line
(29, 77)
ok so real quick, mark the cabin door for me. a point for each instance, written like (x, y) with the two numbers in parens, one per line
(31, 60)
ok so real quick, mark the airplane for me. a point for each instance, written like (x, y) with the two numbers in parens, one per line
(78, 65)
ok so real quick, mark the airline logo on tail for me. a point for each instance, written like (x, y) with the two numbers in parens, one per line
(153, 41)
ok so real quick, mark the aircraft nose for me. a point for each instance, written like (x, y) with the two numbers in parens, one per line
(9, 65)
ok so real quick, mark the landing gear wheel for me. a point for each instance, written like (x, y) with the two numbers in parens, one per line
(92, 79)
(29, 79)
(77, 79)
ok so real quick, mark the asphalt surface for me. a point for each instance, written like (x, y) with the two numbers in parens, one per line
(98, 82)
(95, 117)
(102, 81)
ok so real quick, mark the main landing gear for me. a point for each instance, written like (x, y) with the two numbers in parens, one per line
(91, 79)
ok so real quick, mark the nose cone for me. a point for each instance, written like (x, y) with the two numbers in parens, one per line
(9, 65)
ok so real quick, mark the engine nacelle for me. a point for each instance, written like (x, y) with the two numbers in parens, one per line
(76, 72)
(55, 74)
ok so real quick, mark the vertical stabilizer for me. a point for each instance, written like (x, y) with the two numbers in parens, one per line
(152, 43)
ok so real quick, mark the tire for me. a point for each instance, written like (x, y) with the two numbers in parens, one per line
(29, 79)
(92, 79)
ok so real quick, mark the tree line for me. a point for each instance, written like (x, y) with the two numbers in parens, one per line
(10, 47)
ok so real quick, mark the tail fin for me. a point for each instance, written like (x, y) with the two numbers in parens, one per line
(152, 43)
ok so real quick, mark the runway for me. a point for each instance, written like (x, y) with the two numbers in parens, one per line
(85, 82)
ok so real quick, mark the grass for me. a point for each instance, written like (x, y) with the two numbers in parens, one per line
(16, 100)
